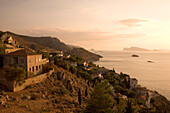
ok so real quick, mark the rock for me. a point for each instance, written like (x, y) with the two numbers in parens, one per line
(26, 97)
(44, 96)
(134, 55)
(2, 100)
(150, 61)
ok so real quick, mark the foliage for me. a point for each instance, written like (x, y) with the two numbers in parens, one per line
(13, 74)
(86, 92)
(46, 55)
(85, 75)
(73, 69)
(121, 108)
(66, 66)
(46, 67)
(132, 106)
(100, 99)
(64, 91)
(91, 64)
(2, 50)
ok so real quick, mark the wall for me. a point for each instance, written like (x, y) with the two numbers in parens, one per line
(33, 80)
(37, 79)
(33, 61)
(9, 85)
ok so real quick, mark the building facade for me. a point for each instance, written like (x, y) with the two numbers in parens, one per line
(26, 59)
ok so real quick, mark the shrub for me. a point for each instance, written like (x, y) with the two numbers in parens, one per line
(14, 74)
(46, 68)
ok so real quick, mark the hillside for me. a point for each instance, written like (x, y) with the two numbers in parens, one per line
(55, 94)
(52, 43)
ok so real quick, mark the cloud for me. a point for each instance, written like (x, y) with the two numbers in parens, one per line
(73, 36)
(131, 22)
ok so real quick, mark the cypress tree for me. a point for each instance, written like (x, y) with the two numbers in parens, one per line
(79, 96)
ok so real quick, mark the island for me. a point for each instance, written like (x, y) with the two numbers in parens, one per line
(134, 55)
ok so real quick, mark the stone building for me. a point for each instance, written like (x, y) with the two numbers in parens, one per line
(9, 40)
(26, 59)
(133, 83)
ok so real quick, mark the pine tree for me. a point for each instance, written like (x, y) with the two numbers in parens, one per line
(100, 99)
(79, 96)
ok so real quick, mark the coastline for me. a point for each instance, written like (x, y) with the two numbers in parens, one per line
(150, 90)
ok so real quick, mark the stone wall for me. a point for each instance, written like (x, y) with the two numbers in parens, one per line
(8, 84)
(33, 80)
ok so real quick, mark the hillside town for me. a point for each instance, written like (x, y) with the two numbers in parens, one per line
(35, 66)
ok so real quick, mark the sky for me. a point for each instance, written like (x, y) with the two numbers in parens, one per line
(97, 24)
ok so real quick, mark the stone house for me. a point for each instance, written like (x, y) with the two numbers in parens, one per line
(140, 90)
(9, 40)
(26, 59)
(133, 83)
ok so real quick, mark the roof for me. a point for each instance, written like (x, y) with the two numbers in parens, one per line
(133, 79)
(140, 88)
(22, 52)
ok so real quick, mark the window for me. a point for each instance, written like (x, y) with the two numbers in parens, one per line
(30, 68)
(36, 68)
(39, 66)
(15, 60)
(33, 68)
(22, 60)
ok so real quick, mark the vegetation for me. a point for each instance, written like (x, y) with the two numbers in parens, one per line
(13, 74)
(100, 99)
(47, 67)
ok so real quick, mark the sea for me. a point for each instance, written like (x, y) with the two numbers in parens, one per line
(155, 75)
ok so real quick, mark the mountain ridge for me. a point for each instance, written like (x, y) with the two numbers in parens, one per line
(51, 44)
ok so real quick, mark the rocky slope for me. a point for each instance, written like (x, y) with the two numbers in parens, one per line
(58, 93)
(53, 43)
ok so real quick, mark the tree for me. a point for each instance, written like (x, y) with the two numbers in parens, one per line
(86, 92)
(14, 74)
(73, 69)
(2, 50)
(66, 66)
(121, 108)
(79, 96)
(100, 99)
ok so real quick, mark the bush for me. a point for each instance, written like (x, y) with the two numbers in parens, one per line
(64, 91)
(73, 69)
(46, 68)
(14, 74)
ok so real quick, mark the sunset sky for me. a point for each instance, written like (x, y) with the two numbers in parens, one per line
(98, 24)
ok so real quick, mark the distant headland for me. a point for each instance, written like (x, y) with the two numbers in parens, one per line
(138, 49)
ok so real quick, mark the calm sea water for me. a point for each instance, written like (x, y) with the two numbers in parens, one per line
(154, 76)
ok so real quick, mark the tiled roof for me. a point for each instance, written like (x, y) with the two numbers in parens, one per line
(22, 52)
